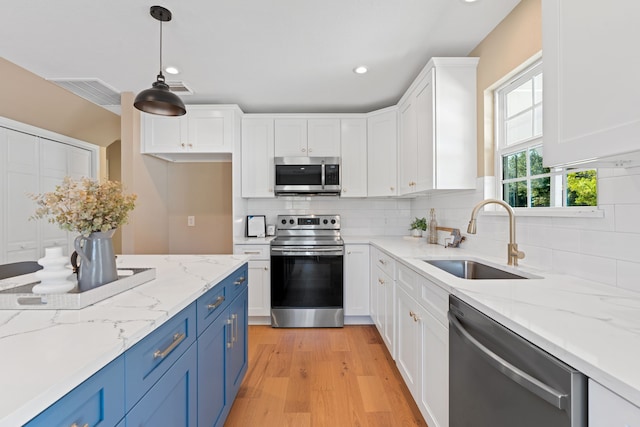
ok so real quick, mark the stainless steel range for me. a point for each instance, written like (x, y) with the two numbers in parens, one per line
(306, 272)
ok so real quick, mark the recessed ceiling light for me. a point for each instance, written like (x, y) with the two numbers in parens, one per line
(469, 1)
(171, 70)
(360, 69)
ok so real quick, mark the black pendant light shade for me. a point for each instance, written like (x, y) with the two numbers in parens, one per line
(159, 99)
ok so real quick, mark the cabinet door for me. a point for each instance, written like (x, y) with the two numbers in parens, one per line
(259, 288)
(374, 311)
(323, 137)
(434, 394)
(356, 280)
(210, 130)
(424, 156)
(607, 409)
(387, 306)
(353, 152)
(237, 353)
(98, 401)
(290, 137)
(258, 170)
(408, 147)
(161, 134)
(408, 351)
(591, 108)
(172, 401)
(21, 179)
(381, 154)
(212, 350)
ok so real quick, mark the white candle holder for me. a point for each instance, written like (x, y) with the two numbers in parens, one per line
(54, 275)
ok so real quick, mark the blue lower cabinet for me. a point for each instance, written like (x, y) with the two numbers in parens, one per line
(212, 348)
(172, 401)
(237, 355)
(98, 402)
(222, 362)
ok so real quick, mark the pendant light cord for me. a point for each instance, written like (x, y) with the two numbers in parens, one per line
(160, 75)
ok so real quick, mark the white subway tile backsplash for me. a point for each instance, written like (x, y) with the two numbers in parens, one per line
(629, 275)
(627, 218)
(605, 249)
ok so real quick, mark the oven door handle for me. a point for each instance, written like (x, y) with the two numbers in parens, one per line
(333, 250)
(540, 389)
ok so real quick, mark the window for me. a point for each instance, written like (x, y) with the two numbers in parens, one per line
(524, 181)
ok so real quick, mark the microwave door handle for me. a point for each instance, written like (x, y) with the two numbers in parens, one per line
(323, 177)
(540, 389)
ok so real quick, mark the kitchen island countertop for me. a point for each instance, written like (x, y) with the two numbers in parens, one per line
(46, 353)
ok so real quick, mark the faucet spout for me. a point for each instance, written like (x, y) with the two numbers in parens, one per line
(513, 254)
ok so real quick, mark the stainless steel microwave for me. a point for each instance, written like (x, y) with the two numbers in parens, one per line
(296, 176)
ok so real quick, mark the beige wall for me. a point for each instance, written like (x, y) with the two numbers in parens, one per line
(30, 99)
(167, 194)
(517, 38)
(202, 190)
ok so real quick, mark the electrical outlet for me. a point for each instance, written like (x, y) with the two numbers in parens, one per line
(191, 221)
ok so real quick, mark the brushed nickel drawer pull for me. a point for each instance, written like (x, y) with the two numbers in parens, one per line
(240, 281)
(76, 425)
(230, 342)
(252, 252)
(216, 304)
(234, 338)
(177, 339)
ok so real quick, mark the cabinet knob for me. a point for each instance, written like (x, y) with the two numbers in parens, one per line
(270, 190)
(304, 150)
(348, 252)
(310, 149)
(190, 145)
(381, 281)
(344, 190)
(266, 268)
(392, 188)
(182, 145)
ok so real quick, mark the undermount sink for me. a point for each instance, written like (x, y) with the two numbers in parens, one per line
(474, 270)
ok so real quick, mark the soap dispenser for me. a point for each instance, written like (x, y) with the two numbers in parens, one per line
(433, 227)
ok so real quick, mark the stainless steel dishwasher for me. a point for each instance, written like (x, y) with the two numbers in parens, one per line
(498, 379)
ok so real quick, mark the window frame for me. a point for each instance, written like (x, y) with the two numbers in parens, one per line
(557, 176)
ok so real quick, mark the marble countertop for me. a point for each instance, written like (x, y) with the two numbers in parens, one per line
(591, 326)
(46, 353)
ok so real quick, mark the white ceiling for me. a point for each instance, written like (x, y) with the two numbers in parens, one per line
(264, 55)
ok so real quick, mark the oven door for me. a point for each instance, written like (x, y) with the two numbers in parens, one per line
(307, 286)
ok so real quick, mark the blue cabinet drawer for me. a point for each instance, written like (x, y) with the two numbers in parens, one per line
(211, 305)
(98, 402)
(218, 298)
(149, 359)
(237, 281)
(172, 401)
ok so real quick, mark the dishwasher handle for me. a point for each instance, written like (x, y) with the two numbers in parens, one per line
(540, 389)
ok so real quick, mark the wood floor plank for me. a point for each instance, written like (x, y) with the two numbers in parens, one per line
(322, 377)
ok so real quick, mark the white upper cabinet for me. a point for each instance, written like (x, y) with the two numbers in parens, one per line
(203, 130)
(298, 137)
(591, 87)
(258, 171)
(291, 137)
(382, 129)
(353, 153)
(438, 142)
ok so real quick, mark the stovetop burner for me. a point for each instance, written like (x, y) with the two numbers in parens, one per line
(308, 230)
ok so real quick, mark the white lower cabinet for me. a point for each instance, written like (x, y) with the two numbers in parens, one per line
(382, 297)
(607, 409)
(422, 344)
(356, 280)
(259, 278)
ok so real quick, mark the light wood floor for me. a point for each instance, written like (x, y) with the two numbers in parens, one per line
(321, 377)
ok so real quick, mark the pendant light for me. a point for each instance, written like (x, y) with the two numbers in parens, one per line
(159, 99)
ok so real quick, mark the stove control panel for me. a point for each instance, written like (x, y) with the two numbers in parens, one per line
(308, 222)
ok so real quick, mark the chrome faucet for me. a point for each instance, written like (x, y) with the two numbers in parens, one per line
(513, 254)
